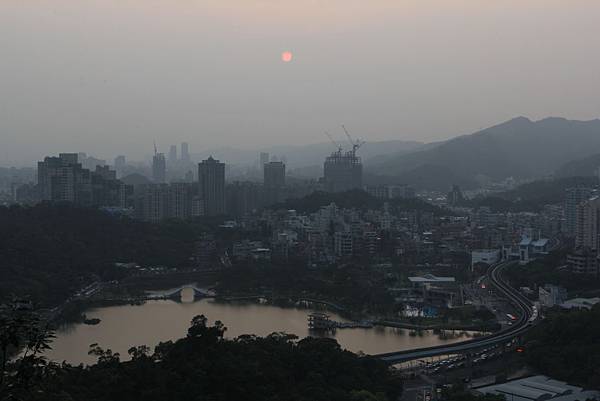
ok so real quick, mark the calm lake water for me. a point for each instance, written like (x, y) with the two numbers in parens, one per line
(148, 324)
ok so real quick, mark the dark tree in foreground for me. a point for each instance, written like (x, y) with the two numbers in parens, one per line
(206, 366)
(23, 332)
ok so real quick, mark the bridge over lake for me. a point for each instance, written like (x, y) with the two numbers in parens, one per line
(176, 292)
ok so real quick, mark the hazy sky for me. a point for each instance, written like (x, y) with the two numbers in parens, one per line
(111, 76)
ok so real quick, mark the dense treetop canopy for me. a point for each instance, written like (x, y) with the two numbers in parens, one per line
(205, 366)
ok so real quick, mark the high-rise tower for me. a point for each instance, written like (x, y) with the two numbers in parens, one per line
(172, 154)
(264, 158)
(342, 171)
(274, 181)
(211, 178)
(120, 163)
(159, 167)
(573, 198)
(185, 152)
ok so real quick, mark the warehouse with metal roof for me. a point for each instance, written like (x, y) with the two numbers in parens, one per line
(539, 388)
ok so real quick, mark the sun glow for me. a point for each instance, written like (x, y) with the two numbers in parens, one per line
(286, 56)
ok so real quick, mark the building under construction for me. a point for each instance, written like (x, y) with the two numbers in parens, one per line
(343, 170)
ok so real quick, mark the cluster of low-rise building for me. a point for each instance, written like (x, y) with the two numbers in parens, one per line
(410, 236)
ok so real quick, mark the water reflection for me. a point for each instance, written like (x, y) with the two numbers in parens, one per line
(125, 326)
(188, 295)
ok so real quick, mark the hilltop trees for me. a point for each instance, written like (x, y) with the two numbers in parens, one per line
(206, 366)
(566, 346)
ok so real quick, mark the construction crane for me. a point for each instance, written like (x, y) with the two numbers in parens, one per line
(337, 145)
(355, 144)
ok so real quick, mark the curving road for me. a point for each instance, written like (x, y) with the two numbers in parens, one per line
(527, 317)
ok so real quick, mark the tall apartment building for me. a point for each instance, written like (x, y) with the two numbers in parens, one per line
(62, 179)
(107, 190)
(156, 202)
(56, 179)
(342, 171)
(172, 154)
(211, 180)
(70, 158)
(105, 172)
(181, 196)
(573, 197)
(152, 203)
(274, 175)
(185, 152)
(274, 181)
(159, 168)
(120, 164)
(588, 224)
(264, 158)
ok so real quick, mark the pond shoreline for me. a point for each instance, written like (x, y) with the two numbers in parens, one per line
(150, 323)
(76, 312)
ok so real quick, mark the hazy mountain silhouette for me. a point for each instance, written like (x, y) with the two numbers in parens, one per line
(518, 148)
(587, 166)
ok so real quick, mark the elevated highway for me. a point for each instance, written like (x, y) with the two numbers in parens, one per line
(528, 315)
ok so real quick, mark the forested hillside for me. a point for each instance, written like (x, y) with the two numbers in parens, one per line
(47, 250)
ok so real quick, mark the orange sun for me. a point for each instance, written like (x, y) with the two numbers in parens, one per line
(286, 56)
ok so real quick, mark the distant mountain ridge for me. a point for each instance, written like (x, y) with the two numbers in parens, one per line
(587, 166)
(301, 156)
(518, 148)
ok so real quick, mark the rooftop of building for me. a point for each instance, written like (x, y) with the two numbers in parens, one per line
(526, 241)
(538, 388)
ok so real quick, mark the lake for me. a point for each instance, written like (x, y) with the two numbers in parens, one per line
(122, 327)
